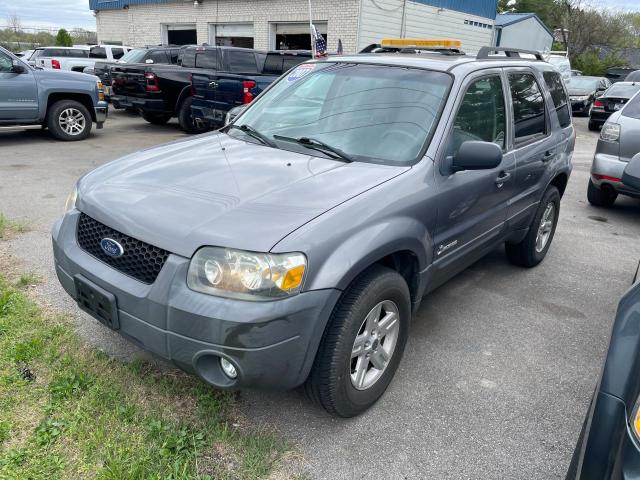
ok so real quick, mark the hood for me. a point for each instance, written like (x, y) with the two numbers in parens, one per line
(579, 92)
(64, 75)
(216, 190)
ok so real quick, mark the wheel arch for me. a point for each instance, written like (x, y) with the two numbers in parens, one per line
(83, 98)
(184, 94)
(560, 182)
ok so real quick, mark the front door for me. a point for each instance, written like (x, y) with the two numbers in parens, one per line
(18, 93)
(472, 205)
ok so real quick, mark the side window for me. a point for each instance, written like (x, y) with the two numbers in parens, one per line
(174, 54)
(481, 116)
(117, 53)
(97, 52)
(5, 63)
(207, 59)
(158, 56)
(188, 59)
(559, 96)
(528, 107)
(242, 62)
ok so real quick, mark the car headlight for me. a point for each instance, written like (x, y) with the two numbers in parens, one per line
(246, 275)
(71, 200)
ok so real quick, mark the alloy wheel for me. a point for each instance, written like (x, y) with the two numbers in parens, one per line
(546, 226)
(72, 121)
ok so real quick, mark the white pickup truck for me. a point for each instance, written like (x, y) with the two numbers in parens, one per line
(75, 58)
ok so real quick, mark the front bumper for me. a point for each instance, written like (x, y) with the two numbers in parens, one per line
(611, 166)
(147, 105)
(272, 344)
(102, 112)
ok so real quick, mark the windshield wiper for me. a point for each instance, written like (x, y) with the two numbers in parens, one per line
(313, 144)
(252, 132)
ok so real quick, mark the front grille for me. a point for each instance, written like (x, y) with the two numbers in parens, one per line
(139, 260)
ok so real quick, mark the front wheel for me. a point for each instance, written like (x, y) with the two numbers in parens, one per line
(157, 118)
(69, 120)
(363, 343)
(532, 250)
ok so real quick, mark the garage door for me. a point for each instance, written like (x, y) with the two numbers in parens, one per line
(232, 34)
(294, 36)
(299, 28)
(180, 34)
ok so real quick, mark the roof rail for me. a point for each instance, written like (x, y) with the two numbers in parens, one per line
(484, 52)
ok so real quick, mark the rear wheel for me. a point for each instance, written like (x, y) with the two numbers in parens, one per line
(532, 250)
(593, 126)
(363, 343)
(186, 120)
(601, 197)
(157, 118)
(69, 120)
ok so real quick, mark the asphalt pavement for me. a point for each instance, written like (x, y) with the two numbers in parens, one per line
(500, 364)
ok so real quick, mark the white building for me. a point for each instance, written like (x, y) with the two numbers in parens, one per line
(522, 30)
(279, 24)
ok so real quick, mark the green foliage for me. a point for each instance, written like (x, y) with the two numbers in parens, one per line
(63, 38)
(11, 226)
(48, 431)
(27, 280)
(589, 63)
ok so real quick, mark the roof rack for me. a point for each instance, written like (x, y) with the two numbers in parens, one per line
(485, 52)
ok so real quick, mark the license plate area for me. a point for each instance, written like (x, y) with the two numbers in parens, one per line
(97, 302)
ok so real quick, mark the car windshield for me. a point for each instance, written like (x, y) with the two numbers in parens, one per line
(623, 91)
(584, 83)
(133, 56)
(374, 113)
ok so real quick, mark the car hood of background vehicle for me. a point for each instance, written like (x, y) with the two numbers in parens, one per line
(216, 190)
(579, 92)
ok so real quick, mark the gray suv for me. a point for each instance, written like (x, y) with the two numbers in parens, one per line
(293, 246)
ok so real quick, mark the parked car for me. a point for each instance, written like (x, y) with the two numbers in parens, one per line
(560, 60)
(619, 74)
(619, 142)
(293, 246)
(162, 55)
(25, 54)
(215, 93)
(75, 58)
(633, 76)
(67, 103)
(609, 443)
(612, 100)
(161, 92)
(583, 91)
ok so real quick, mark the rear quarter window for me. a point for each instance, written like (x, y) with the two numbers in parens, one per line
(559, 96)
(632, 110)
(207, 59)
(242, 62)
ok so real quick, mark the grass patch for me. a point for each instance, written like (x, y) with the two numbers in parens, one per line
(8, 227)
(28, 280)
(68, 411)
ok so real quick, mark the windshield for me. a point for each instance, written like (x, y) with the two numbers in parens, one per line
(622, 91)
(133, 56)
(374, 113)
(584, 83)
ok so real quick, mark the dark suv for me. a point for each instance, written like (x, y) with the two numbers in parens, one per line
(294, 245)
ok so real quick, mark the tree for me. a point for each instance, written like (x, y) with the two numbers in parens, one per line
(63, 39)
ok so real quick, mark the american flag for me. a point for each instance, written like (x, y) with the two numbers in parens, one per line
(319, 43)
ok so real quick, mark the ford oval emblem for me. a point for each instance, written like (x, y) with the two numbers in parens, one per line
(111, 247)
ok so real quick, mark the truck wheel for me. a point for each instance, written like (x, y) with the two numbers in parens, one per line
(362, 344)
(69, 120)
(593, 126)
(532, 250)
(601, 197)
(157, 119)
(187, 123)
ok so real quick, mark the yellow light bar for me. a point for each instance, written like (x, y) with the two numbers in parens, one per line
(421, 42)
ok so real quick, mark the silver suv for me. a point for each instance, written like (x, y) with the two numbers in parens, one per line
(294, 245)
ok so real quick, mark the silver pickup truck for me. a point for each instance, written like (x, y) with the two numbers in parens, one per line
(67, 103)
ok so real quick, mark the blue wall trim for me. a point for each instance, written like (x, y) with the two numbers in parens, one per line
(481, 8)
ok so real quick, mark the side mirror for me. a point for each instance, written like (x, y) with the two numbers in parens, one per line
(148, 60)
(631, 174)
(17, 67)
(473, 155)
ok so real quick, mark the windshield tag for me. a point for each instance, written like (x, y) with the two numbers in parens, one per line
(301, 71)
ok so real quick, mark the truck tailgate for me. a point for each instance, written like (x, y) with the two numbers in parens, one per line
(128, 80)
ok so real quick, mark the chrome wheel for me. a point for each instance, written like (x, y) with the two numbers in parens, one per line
(72, 121)
(374, 344)
(546, 226)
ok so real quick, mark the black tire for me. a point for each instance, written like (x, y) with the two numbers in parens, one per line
(599, 197)
(593, 126)
(65, 109)
(525, 253)
(185, 119)
(329, 383)
(157, 118)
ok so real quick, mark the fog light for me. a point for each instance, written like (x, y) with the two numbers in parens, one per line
(228, 368)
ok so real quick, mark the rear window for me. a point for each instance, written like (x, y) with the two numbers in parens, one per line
(622, 91)
(158, 56)
(98, 52)
(633, 77)
(207, 59)
(117, 53)
(243, 62)
(62, 52)
(189, 58)
(278, 64)
(559, 96)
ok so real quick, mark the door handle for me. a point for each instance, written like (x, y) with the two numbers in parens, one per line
(502, 178)
(548, 155)
(213, 85)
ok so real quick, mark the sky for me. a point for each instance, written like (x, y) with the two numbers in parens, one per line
(76, 13)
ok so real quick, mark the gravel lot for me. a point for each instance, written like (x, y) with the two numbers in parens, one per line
(501, 362)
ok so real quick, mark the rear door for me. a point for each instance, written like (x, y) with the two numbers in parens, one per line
(534, 140)
(472, 206)
(18, 93)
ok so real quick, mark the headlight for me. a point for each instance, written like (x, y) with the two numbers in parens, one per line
(71, 200)
(610, 132)
(246, 275)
